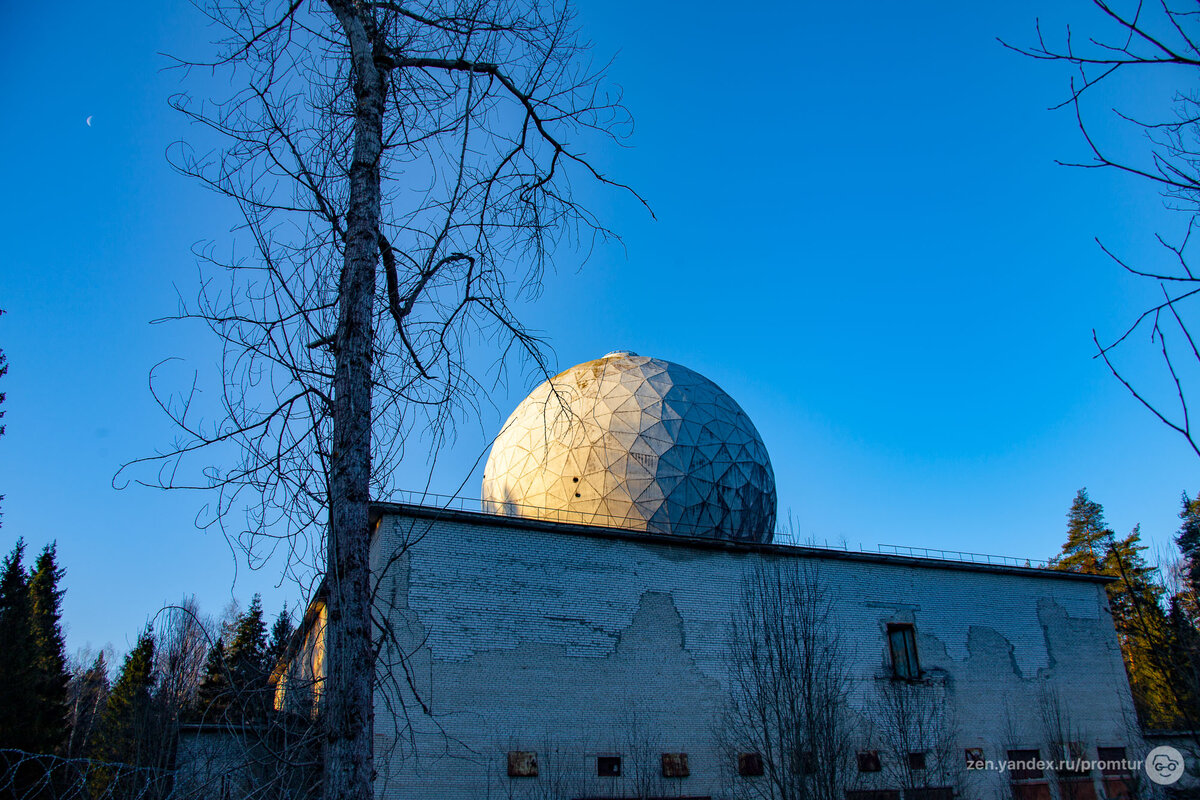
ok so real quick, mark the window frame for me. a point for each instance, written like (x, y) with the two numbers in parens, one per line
(902, 645)
(614, 764)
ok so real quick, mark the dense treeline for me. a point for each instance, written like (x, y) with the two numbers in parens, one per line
(183, 669)
(1155, 609)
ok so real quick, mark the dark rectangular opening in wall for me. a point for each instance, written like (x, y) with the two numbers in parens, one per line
(1115, 775)
(902, 641)
(750, 765)
(868, 761)
(675, 765)
(1027, 780)
(1024, 765)
(608, 766)
(522, 764)
(916, 760)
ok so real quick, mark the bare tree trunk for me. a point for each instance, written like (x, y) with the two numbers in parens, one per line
(481, 97)
(350, 668)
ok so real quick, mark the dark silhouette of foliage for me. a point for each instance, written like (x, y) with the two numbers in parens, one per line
(50, 661)
(235, 686)
(212, 697)
(281, 634)
(18, 689)
(124, 727)
(1188, 540)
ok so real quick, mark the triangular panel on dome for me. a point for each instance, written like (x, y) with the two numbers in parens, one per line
(633, 434)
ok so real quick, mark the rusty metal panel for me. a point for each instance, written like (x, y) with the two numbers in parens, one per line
(675, 765)
(522, 764)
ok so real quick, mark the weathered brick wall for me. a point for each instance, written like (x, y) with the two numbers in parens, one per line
(575, 645)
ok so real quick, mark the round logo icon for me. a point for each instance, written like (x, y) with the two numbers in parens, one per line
(1164, 765)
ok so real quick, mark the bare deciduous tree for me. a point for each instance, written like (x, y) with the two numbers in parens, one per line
(1125, 37)
(790, 682)
(914, 726)
(181, 645)
(404, 172)
(641, 754)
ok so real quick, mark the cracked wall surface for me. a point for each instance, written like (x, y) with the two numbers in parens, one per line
(580, 644)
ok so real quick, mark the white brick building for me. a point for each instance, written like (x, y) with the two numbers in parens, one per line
(581, 646)
(578, 642)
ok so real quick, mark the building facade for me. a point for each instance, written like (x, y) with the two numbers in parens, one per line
(616, 622)
(570, 645)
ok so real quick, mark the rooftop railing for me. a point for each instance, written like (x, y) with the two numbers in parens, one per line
(505, 508)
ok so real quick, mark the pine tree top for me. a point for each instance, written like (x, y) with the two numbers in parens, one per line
(1087, 537)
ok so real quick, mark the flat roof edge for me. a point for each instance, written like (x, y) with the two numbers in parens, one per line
(380, 508)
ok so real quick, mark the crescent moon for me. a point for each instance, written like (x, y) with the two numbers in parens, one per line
(89, 121)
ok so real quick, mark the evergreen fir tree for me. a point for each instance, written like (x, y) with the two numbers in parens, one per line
(1185, 667)
(1134, 600)
(50, 662)
(1188, 540)
(1142, 629)
(281, 635)
(1136, 590)
(125, 734)
(1087, 537)
(246, 658)
(19, 684)
(212, 696)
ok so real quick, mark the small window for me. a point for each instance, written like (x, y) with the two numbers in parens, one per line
(1116, 776)
(902, 641)
(805, 763)
(1026, 765)
(868, 761)
(750, 765)
(608, 766)
(522, 764)
(1113, 762)
(675, 765)
(916, 760)
(975, 758)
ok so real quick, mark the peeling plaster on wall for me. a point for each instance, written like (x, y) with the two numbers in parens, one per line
(511, 698)
(991, 654)
(527, 639)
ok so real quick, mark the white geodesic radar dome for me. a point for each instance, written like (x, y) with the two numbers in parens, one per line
(633, 442)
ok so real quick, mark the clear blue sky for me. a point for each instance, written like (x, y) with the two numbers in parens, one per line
(861, 235)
